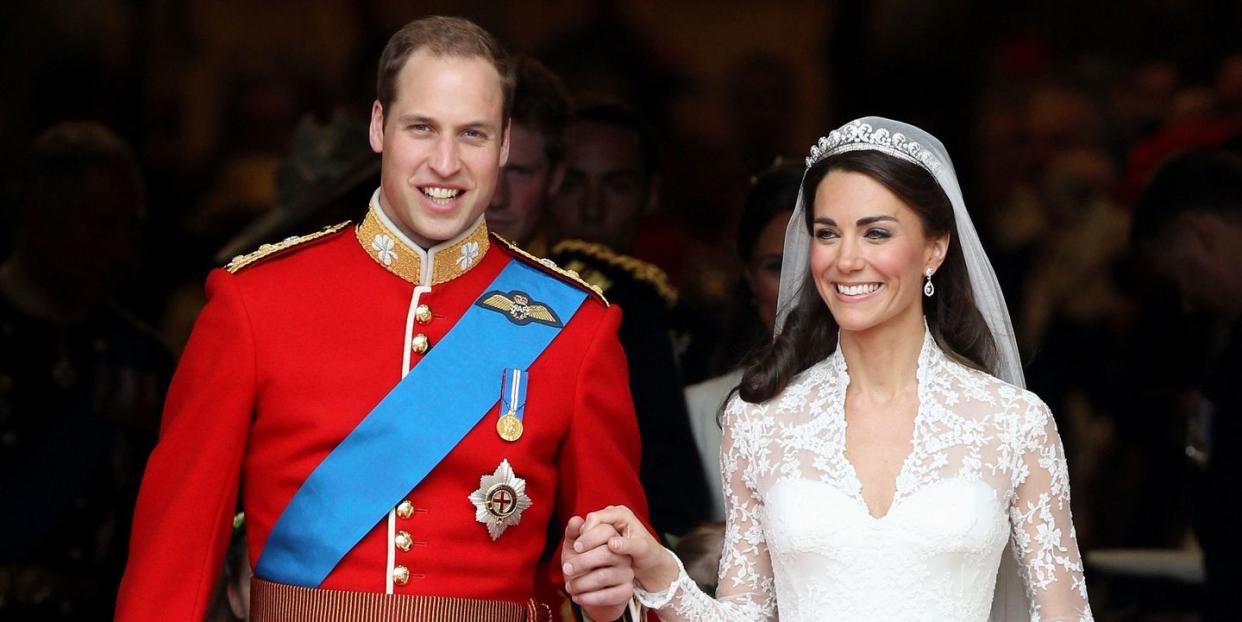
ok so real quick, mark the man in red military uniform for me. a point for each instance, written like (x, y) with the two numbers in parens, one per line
(405, 403)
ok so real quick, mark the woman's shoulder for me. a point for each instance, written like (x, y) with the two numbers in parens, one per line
(807, 389)
(969, 386)
(737, 408)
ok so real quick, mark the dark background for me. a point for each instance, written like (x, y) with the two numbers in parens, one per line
(1055, 112)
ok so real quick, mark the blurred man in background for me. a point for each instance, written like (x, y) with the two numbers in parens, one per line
(536, 163)
(81, 381)
(610, 185)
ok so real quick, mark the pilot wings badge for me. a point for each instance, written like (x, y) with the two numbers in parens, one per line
(519, 308)
(500, 500)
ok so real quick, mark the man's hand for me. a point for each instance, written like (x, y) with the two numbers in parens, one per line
(598, 579)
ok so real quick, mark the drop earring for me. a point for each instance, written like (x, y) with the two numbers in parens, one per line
(928, 288)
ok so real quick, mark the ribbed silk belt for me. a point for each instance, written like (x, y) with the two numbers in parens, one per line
(277, 602)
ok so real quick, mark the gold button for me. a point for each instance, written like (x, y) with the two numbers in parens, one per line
(403, 541)
(400, 575)
(572, 273)
(420, 343)
(422, 313)
(405, 509)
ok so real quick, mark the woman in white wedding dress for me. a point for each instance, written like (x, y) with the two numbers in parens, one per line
(881, 459)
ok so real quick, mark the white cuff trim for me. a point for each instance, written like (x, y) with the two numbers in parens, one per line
(659, 600)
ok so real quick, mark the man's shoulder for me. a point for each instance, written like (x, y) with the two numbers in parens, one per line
(628, 279)
(289, 248)
(551, 270)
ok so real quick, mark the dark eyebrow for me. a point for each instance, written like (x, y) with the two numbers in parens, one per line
(870, 220)
(487, 126)
(862, 222)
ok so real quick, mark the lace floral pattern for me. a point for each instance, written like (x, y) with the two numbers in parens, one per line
(986, 468)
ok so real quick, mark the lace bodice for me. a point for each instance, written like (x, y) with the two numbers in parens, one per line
(986, 467)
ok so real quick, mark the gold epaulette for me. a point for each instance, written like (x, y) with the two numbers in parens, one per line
(549, 266)
(267, 250)
(641, 270)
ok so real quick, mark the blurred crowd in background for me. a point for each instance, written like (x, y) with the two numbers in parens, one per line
(658, 155)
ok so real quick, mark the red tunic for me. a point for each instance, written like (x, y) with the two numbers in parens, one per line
(291, 353)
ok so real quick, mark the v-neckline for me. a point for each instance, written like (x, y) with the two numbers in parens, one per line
(920, 390)
(859, 494)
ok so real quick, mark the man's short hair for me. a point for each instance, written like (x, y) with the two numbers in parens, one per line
(541, 103)
(442, 36)
(1201, 180)
(621, 116)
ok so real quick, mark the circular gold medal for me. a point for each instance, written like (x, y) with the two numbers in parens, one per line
(509, 427)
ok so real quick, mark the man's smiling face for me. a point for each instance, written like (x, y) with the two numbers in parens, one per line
(442, 143)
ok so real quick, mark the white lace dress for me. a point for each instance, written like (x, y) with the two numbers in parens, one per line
(986, 467)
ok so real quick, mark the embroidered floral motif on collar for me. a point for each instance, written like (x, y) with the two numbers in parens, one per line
(469, 253)
(384, 245)
(440, 264)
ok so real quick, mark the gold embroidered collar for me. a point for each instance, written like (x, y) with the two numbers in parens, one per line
(443, 262)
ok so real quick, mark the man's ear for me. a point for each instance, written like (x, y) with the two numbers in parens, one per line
(504, 144)
(556, 178)
(376, 132)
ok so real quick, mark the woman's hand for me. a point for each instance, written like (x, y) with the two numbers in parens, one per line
(653, 566)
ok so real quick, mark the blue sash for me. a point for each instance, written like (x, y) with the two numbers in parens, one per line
(411, 430)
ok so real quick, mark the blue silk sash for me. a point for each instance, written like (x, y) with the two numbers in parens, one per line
(411, 430)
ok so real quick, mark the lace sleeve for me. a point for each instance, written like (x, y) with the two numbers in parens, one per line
(1043, 528)
(745, 590)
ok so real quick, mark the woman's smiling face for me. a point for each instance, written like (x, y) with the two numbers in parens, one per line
(869, 253)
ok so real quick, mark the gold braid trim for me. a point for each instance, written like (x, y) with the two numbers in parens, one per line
(547, 265)
(643, 271)
(267, 250)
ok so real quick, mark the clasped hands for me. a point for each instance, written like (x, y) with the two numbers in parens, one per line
(603, 555)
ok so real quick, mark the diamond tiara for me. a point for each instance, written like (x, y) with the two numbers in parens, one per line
(858, 135)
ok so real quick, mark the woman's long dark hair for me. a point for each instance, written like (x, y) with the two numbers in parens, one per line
(810, 332)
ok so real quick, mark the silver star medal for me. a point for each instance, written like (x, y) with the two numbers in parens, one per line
(500, 500)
